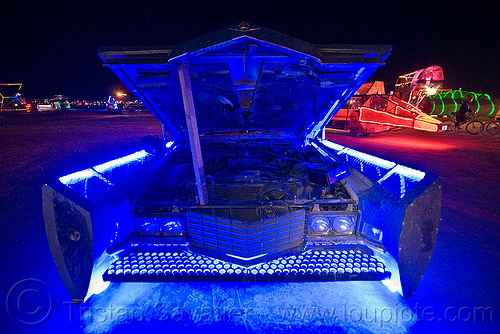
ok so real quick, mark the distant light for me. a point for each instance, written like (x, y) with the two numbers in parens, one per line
(121, 94)
(430, 90)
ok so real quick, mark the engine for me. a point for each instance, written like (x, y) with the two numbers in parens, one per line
(270, 181)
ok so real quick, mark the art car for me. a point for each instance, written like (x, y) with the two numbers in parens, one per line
(243, 187)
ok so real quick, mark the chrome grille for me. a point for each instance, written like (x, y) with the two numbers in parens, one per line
(246, 239)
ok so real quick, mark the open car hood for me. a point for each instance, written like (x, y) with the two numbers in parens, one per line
(246, 77)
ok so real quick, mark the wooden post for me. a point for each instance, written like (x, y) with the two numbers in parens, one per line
(194, 137)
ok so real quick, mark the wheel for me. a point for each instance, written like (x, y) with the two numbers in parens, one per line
(450, 125)
(474, 127)
(354, 131)
(492, 128)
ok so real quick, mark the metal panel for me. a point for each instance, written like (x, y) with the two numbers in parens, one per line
(418, 237)
(69, 231)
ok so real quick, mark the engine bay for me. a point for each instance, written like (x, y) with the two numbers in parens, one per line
(269, 181)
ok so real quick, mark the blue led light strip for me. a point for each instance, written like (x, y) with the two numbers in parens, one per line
(120, 161)
(404, 171)
(93, 183)
(389, 172)
(95, 171)
(77, 176)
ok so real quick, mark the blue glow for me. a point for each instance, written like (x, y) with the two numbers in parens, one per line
(393, 283)
(323, 153)
(171, 226)
(182, 264)
(406, 176)
(87, 173)
(148, 226)
(247, 258)
(120, 161)
(97, 285)
(369, 158)
(404, 173)
(408, 172)
(94, 183)
(77, 176)
(331, 145)
(169, 144)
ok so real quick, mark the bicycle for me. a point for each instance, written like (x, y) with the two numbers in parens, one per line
(472, 125)
(449, 125)
(491, 128)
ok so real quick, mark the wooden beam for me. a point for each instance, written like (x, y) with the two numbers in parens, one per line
(194, 137)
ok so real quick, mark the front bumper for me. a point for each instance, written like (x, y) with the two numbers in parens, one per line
(339, 264)
(399, 212)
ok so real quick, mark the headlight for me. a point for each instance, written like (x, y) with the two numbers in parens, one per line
(319, 225)
(171, 226)
(166, 226)
(343, 225)
(332, 225)
(148, 226)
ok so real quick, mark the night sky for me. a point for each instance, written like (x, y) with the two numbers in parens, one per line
(51, 46)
